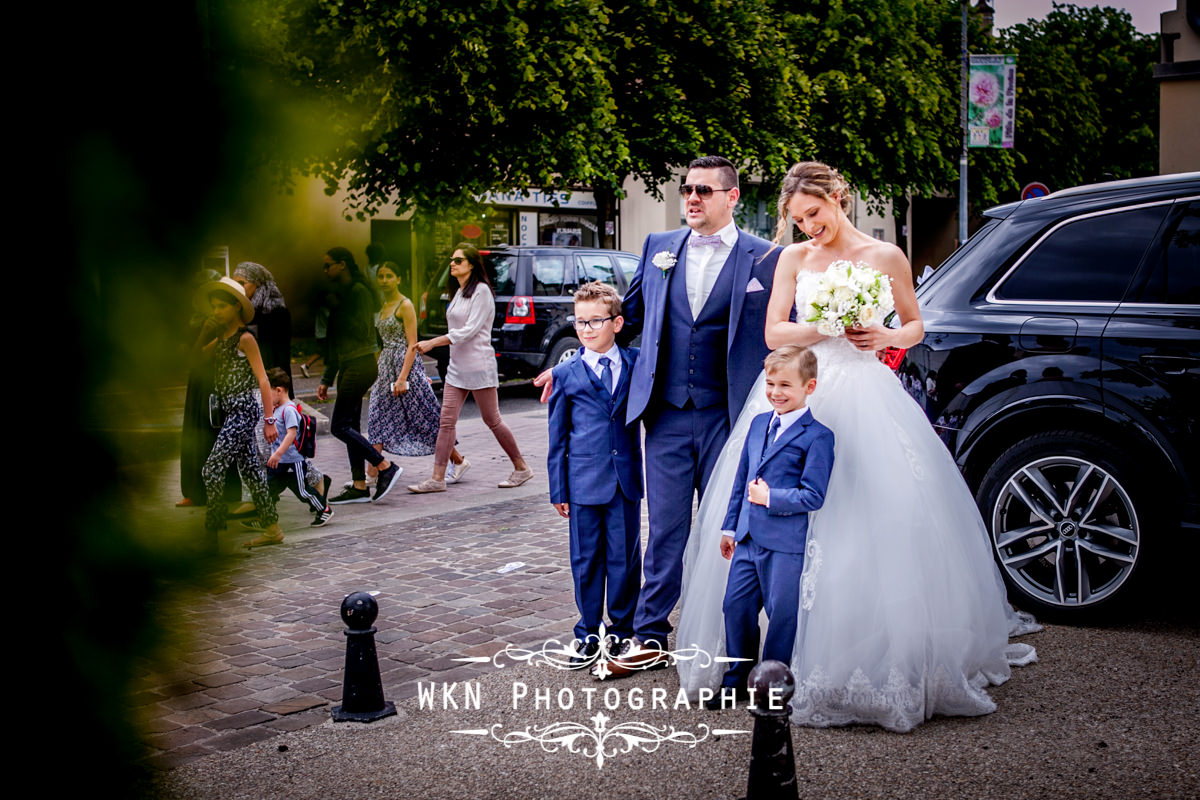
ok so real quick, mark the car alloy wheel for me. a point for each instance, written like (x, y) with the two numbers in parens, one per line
(563, 351)
(1065, 529)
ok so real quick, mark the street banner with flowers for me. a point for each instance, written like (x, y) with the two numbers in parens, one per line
(991, 97)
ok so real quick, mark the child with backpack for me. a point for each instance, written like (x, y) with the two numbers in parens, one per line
(287, 467)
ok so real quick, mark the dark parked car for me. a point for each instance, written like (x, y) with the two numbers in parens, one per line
(1061, 366)
(534, 286)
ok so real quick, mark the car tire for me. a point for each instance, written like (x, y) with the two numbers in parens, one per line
(563, 350)
(1066, 514)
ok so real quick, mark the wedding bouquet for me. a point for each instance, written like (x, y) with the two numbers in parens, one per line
(849, 296)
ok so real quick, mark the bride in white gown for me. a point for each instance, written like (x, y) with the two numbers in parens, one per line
(903, 612)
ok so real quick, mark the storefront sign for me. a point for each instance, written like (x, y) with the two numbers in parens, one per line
(537, 197)
(527, 228)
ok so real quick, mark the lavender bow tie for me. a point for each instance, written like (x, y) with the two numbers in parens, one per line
(698, 240)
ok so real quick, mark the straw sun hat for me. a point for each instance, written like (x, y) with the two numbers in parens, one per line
(225, 285)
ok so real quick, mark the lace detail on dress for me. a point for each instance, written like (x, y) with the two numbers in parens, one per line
(899, 705)
(910, 452)
(808, 581)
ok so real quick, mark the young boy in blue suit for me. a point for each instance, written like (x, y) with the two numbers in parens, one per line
(595, 470)
(782, 475)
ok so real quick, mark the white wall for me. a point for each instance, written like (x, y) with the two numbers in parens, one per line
(642, 215)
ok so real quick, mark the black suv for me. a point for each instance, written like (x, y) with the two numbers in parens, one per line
(1061, 366)
(534, 288)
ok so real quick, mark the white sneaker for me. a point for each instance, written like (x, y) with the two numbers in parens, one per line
(455, 472)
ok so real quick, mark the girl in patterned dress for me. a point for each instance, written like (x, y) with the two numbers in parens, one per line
(245, 400)
(403, 414)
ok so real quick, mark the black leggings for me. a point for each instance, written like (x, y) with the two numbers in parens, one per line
(354, 382)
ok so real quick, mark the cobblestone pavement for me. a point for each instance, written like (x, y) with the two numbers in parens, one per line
(261, 650)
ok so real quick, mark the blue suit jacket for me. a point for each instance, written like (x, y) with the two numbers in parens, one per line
(644, 308)
(796, 467)
(592, 451)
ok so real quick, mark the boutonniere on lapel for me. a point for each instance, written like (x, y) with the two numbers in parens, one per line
(664, 260)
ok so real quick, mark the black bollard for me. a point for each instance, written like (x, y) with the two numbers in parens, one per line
(772, 764)
(362, 688)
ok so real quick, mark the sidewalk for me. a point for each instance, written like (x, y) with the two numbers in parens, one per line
(239, 706)
(260, 649)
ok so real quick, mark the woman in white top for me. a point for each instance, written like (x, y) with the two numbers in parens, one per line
(472, 369)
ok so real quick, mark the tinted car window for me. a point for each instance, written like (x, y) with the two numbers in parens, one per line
(1176, 279)
(628, 266)
(501, 269)
(549, 274)
(596, 267)
(1088, 260)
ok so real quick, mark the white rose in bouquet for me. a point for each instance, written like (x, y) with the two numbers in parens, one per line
(849, 295)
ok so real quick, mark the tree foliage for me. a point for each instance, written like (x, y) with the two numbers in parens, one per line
(430, 103)
(1087, 103)
(883, 93)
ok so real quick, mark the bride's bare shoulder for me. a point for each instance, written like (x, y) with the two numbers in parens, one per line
(796, 256)
(885, 256)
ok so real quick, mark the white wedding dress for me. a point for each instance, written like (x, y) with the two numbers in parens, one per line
(903, 611)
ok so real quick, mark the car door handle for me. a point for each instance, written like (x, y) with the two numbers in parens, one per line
(1170, 365)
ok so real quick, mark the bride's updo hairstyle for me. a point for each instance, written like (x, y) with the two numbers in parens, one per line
(811, 178)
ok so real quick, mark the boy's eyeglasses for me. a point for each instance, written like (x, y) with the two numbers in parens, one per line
(700, 189)
(591, 324)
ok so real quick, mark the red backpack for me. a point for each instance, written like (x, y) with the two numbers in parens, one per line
(306, 433)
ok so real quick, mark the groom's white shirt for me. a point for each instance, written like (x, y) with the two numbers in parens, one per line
(704, 266)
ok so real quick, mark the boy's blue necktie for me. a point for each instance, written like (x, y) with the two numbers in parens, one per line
(606, 373)
(772, 429)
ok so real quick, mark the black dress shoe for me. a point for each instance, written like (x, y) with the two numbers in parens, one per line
(586, 652)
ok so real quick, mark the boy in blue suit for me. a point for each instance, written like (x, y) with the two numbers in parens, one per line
(782, 475)
(595, 469)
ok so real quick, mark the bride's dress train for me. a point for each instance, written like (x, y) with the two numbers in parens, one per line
(903, 611)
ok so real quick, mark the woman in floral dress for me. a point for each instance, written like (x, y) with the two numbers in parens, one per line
(403, 414)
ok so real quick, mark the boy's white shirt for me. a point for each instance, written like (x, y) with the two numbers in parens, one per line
(787, 420)
(592, 359)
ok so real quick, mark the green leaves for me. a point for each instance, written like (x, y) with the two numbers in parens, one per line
(432, 103)
(511, 93)
(1087, 104)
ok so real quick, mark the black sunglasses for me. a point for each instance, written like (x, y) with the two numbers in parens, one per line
(458, 260)
(700, 189)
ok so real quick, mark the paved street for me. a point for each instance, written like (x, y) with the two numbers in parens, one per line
(238, 705)
(259, 648)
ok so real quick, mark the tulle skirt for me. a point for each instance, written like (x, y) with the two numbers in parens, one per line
(903, 611)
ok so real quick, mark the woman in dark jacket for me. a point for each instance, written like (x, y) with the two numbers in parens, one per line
(272, 321)
(352, 347)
